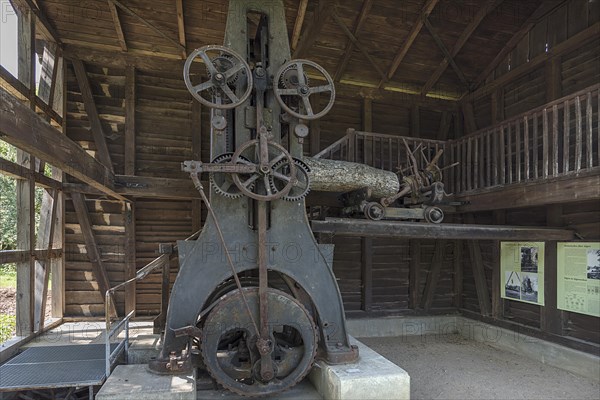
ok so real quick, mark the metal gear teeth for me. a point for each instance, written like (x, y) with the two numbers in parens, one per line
(223, 158)
(228, 58)
(282, 81)
(301, 166)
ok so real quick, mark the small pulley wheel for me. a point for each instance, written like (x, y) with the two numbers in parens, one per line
(292, 81)
(259, 185)
(229, 80)
(434, 215)
(374, 211)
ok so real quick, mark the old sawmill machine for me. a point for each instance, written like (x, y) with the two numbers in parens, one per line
(255, 300)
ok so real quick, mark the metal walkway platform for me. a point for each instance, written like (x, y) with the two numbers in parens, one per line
(52, 367)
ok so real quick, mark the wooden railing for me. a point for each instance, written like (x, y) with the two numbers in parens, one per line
(558, 139)
(378, 150)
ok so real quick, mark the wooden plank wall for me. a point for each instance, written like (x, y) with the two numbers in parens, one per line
(584, 218)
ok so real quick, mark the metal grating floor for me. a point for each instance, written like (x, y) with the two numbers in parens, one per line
(54, 367)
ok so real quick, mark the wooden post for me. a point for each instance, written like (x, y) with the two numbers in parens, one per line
(130, 100)
(553, 70)
(415, 268)
(366, 246)
(458, 273)
(434, 274)
(551, 318)
(479, 275)
(469, 114)
(497, 300)
(130, 255)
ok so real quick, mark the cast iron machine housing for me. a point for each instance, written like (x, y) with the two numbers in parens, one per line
(255, 295)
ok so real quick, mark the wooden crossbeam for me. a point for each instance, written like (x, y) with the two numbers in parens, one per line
(92, 113)
(117, 22)
(93, 252)
(19, 256)
(17, 171)
(421, 230)
(460, 42)
(362, 17)
(542, 10)
(434, 274)
(181, 27)
(447, 55)
(298, 24)
(414, 32)
(321, 15)
(147, 23)
(360, 47)
(28, 131)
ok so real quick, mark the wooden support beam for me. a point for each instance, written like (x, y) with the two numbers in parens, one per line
(322, 13)
(93, 252)
(358, 45)
(445, 123)
(21, 256)
(48, 27)
(48, 72)
(544, 8)
(17, 171)
(448, 58)
(427, 9)
(434, 274)
(469, 117)
(130, 102)
(117, 22)
(458, 274)
(553, 76)
(45, 239)
(25, 289)
(362, 17)
(130, 256)
(497, 101)
(479, 274)
(147, 23)
(57, 265)
(488, 7)
(420, 230)
(92, 113)
(366, 247)
(498, 303)
(26, 130)
(414, 281)
(181, 27)
(162, 188)
(551, 318)
(298, 24)
(315, 127)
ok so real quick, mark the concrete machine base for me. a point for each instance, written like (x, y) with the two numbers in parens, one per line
(372, 377)
(133, 382)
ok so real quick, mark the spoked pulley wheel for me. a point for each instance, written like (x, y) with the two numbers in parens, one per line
(229, 342)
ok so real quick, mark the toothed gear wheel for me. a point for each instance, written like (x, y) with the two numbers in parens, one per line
(302, 185)
(289, 78)
(222, 182)
(222, 64)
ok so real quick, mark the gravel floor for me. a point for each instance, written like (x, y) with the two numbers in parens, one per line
(450, 367)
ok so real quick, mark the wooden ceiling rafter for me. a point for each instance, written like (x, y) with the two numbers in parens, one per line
(46, 24)
(544, 8)
(298, 24)
(147, 23)
(117, 22)
(181, 27)
(414, 32)
(484, 11)
(362, 17)
(359, 46)
(320, 17)
(447, 56)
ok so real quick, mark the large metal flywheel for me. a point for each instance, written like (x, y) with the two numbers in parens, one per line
(230, 347)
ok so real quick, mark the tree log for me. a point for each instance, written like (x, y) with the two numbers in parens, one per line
(343, 176)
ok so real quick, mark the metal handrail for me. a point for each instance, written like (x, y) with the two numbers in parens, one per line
(112, 356)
